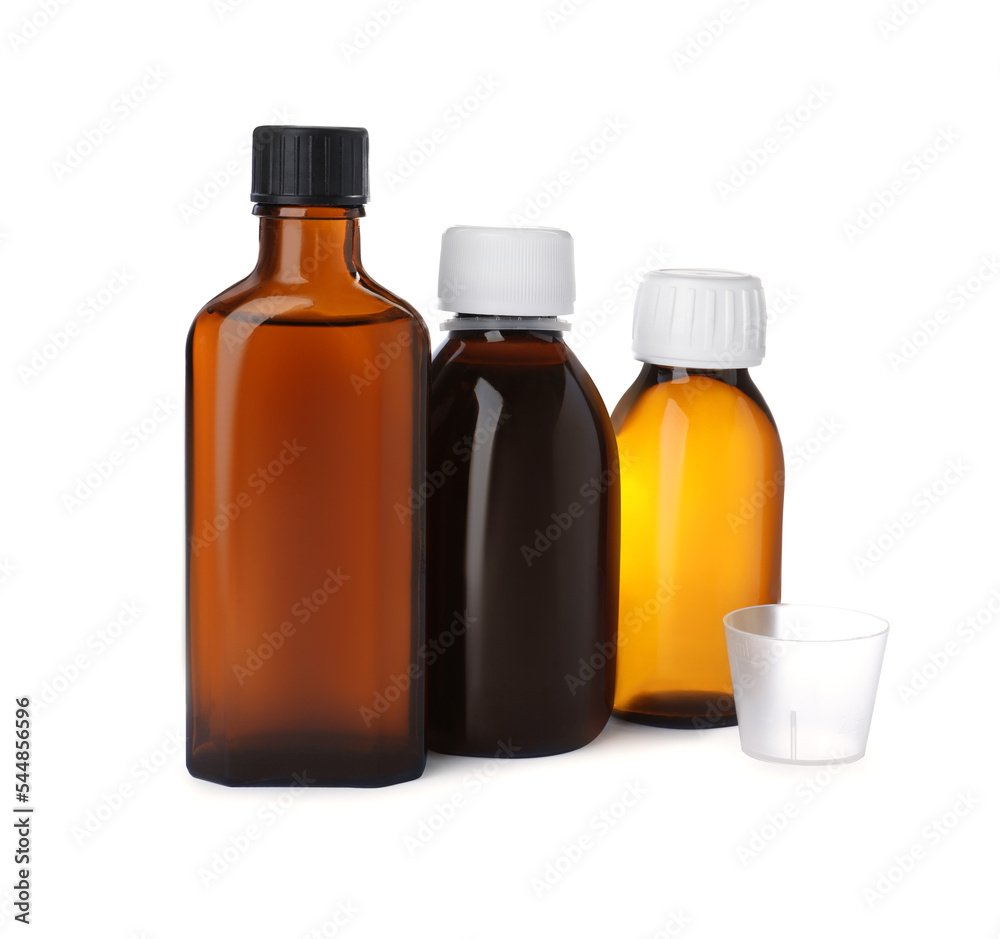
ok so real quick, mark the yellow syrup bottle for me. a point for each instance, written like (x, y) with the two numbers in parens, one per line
(702, 486)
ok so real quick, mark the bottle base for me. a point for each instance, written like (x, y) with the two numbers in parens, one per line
(689, 710)
(303, 767)
(505, 747)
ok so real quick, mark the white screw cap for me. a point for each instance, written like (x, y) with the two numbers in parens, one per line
(699, 319)
(506, 271)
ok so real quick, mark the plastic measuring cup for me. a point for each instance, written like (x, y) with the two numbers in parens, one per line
(804, 680)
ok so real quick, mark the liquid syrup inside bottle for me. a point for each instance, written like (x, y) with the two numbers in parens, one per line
(523, 542)
(702, 489)
(305, 429)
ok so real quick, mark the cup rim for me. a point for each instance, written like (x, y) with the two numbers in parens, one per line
(881, 631)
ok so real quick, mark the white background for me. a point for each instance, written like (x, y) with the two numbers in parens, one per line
(717, 842)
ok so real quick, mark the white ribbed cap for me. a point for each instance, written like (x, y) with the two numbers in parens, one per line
(506, 271)
(699, 319)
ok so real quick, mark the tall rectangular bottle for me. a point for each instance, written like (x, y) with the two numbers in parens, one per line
(306, 409)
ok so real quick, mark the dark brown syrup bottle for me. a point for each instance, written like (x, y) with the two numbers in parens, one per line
(523, 508)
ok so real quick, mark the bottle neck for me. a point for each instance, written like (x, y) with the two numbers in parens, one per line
(479, 323)
(308, 244)
(656, 374)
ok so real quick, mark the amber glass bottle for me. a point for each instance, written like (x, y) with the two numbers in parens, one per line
(523, 508)
(306, 408)
(702, 493)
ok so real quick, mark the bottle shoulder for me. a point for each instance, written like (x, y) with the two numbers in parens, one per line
(540, 388)
(694, 404)
(510, 360)
(508, 351)
(348, 301)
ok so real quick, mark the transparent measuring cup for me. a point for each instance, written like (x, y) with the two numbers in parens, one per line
(804, 680)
